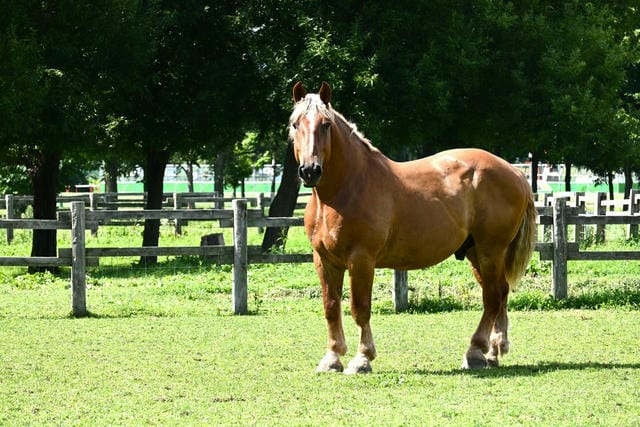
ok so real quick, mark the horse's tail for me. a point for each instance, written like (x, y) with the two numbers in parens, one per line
(521, 247)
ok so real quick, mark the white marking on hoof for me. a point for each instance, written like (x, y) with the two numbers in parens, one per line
(474, 363)
(330, 363)
(360, 364)
(499, 343)
(474, 359)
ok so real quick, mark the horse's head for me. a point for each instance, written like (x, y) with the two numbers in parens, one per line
(310, 131)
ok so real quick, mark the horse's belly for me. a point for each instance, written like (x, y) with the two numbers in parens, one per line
(411, 263)
(405, 255)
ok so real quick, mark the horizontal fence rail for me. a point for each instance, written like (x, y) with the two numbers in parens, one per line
(555, 214)
(110, 202)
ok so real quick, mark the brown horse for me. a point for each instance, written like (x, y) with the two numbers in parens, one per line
(367, 211)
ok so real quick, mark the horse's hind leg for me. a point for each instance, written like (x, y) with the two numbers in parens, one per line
(499, 339)
(490, 338)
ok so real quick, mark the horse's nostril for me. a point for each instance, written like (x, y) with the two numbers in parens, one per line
(310, 174)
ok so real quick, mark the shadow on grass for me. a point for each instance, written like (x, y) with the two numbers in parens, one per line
(144, 313)
(166, 267)
(531, 370)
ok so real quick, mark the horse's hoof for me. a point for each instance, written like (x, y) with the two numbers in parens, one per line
(359, 365)
(334, 367)
(330, 363)
(474, 363)
(493, 362)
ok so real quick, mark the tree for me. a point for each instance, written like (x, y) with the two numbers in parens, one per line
(283, 204)
(50, 85)
(189, 96)
(511, 77)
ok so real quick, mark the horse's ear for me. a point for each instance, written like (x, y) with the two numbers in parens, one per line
(325, 93)
(299, 92)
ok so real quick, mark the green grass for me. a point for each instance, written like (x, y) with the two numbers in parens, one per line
(161, 346)
(566, 368)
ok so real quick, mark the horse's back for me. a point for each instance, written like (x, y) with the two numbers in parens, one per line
(449, 196)
(487, 183)
(460, 172)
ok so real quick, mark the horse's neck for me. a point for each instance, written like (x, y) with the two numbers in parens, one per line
(352, 166)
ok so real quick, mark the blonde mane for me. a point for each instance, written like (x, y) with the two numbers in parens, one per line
(312, 103)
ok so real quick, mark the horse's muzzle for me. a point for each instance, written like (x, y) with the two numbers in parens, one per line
(310, 174)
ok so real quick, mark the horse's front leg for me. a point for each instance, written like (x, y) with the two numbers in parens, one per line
(331, 280)
(361, 277)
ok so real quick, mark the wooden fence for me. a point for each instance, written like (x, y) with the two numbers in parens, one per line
(555, 215)
(13, 204)
(78, 220)
(562, 248)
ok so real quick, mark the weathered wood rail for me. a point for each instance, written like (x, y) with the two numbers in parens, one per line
(554, 213)
(559, 216)
(12, 204)
(79, 220)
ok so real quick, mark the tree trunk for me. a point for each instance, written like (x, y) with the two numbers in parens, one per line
(628, 180)
(111, 177)
(111, 174)
(45, 181)
(284, 202)
(189, 172)
(190, 186)
(534, 172)
(610, 181)
(274, 175)
(567, 176)
(154, 167)
(218, 179)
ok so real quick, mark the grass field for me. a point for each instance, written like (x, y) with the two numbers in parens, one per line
(162, 348)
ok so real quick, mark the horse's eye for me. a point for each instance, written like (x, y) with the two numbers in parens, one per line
(295, 125)
(326, 125)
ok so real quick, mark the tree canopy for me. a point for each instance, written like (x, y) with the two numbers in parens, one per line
(136, 82)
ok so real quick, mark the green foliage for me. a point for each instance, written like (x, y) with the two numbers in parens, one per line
(593, 300)
(114, 81)
(245, 157)
(437, 305)
(34, 281)
(14, 180)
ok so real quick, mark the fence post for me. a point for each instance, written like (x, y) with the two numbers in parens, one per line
(559, 276)
(400, 290)
(240, 258)
(547, 229)
(601, 210)
(10, 212)
(78, 258)
(177, 203)
(578, 231)
(632, 209)
(93, 206)
(260, 205)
